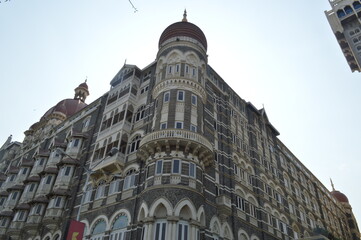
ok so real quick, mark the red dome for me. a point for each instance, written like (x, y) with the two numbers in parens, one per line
(67, 106)
(339, 196)
(183, 29)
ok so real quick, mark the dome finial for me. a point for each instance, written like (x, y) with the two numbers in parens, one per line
(333, 187)
(185, 16)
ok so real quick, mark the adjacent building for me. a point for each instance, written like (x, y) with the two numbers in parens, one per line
(344, 21)
(169, 152)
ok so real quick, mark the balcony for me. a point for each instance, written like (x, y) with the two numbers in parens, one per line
(224, 206)
(53, 218)
(179, 140)
(108, 165)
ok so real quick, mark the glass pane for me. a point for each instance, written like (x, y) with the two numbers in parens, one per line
(175, 166)
(157, 231)
(163, 230)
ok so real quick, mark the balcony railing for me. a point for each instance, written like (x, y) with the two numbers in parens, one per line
(176, 138)
(176, 134)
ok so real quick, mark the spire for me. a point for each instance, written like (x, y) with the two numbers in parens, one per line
(185, 16)
(333, 187)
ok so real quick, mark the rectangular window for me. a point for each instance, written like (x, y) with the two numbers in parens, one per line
(177, 68)
(160, 231)
(170, 69)
(159, 167)
(192, 170)
(129, 181)
(25, 170)
(187, 69)
(100, 192)
(240, 203)
(176, 166)
(38, 209)
(114, 187)
(193, 128)
(67, 170)
(166, 97)
(88, 195)
(58, 201)
(194, 99)
(2, 201)
(179, 125)
(48, 179)
(14, 196)
(12, 177)
(183, 231)
(21, 216)
(180, 96)
(76, 142)
(31, 187)
(163, 126)
(41, 161)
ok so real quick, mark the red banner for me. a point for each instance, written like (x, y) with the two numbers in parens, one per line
(76, 230)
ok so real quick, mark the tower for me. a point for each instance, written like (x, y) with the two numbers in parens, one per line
(345, 24)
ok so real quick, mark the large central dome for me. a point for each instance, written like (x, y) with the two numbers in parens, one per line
(183, 29)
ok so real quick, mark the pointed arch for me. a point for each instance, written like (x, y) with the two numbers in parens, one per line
(143, 211)
(185, 207)
(201, 216)
(226, 231)
(242, 235)
(163, 205)
(215, 225)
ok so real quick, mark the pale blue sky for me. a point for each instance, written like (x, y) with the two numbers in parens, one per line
(278, 53)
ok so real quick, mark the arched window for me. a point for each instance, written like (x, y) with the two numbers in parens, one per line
(119, 227)
(98, 231)
(356, 4)
(134, 145)
(341, 13)
(348, 10)
(57, 237)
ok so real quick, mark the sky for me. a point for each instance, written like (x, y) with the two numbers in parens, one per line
(278, 54)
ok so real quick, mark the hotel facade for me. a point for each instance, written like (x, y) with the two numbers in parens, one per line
(169, 152)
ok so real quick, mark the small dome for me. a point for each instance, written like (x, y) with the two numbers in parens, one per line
(83, 85)
(183, 29)
(339, 196)
(67, 106)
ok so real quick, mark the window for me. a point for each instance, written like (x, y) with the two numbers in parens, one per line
(179, 125)
(3, 222)
(41, 162)
(143, 90)
(240, 203)
(159, 167)
(20, 216)
(183, 231)
(2, 201)
(140, 114)
(177, 68)
(25, 170)
(58, 202)
(192, 170)
(114, 187)
(193, 128)
(98, 230)
(48, 179)
(163, 126)
(180, 96)
(88, 193)
(100, 191)
(129, 180)
(31, 187)
(194, 99)
(11, 178)
(38, 209)
(76, 143)
(176, 166)
(187, 69)
(119, 227)
(160, 230)
(14, 195)
(134, 145)
(166, 97)
(170, 69)
(193, 72)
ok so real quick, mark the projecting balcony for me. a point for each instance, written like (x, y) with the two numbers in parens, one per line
(179, 140)
(108, 165)
(53, 218)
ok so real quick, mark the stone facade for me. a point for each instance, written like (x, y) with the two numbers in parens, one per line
(170, 152)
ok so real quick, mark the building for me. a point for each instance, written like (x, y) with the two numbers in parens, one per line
(345, 24)
(169, 152)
